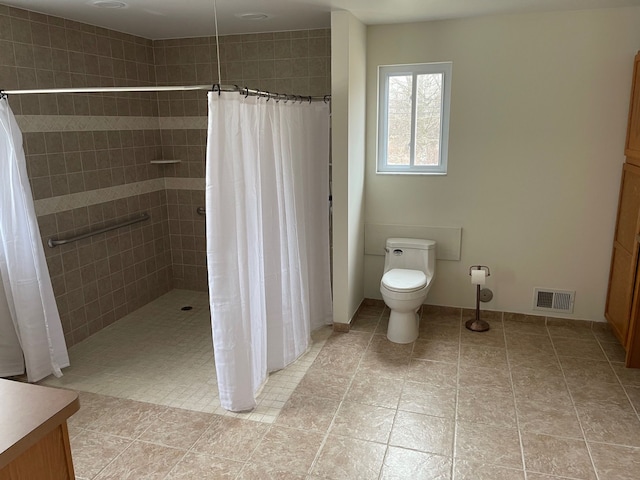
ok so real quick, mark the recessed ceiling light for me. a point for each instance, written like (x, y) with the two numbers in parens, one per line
(253, 16)
(109, 4)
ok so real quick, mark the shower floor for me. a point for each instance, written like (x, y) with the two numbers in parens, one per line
(163, 355)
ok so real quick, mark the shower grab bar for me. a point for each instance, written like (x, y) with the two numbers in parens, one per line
(52, 242)
(201, 211)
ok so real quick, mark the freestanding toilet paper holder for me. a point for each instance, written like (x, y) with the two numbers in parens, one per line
(476, 324)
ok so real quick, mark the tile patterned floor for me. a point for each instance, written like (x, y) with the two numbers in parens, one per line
(524, 401)
(163, 355)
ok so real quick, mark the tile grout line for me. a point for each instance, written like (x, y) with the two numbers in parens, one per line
(624, 387)
(246, 462)
(344, 395)
(97, 475)
(515, 400)
(133, 440)
(190, 449)
(573, 403)
(395, 415)
(455, 410)
(85, 430)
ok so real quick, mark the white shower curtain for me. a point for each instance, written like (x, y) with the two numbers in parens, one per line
(31, 334)
(267, 192)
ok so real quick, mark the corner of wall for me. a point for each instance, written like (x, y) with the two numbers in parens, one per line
(348, 81)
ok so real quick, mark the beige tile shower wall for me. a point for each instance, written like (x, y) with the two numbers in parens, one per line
(41, 51)
(295, 62)
(188, 146)
(90, 153)
(188, 240)
(100, 279)
(62, 163)
(87, 164)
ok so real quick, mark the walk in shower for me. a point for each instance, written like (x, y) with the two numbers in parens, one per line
(95, 160)
(163, 354)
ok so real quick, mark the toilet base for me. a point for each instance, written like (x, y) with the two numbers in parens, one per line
(403, 327)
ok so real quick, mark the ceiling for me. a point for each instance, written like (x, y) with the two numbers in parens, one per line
(157, 19)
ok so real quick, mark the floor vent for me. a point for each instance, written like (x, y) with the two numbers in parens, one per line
(553, 300)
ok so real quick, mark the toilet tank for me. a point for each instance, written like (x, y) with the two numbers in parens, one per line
(411, 254)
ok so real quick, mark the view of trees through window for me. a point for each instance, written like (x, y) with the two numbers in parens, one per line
(427, 110)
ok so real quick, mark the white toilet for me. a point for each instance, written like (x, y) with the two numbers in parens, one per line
(409, 268)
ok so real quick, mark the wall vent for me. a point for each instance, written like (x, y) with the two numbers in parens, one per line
(553, 300)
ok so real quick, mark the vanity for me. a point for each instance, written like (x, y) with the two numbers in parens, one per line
(34, 440)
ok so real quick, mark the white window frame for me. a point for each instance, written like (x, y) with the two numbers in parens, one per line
(384, 73)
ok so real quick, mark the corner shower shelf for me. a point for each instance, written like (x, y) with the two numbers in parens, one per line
(165, 162)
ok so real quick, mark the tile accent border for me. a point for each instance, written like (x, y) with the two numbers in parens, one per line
(178, 183)
(183, 123)
(78, 123)
(46, 206)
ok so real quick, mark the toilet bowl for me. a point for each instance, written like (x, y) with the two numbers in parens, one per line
(408, 274)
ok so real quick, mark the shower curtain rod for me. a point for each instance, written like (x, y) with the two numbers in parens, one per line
(171, 88)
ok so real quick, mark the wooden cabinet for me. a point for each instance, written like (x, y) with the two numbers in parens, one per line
(622, 309)
(34, 440)
(624, 258)
(632, 146)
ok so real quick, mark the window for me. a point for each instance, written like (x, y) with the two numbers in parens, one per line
(413, 121)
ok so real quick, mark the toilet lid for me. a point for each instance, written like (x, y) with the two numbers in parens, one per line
(403, 280)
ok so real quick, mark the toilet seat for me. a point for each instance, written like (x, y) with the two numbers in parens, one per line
(402, 280)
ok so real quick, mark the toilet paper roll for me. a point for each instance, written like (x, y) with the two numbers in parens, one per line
(478, 277)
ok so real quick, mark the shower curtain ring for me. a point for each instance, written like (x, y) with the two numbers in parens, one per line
(268, 95)
(327, 98)
(3, 95)
(216, 86)
(246, 92)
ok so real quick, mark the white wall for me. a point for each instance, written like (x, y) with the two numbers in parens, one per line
(348, 87)
(538, 121)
